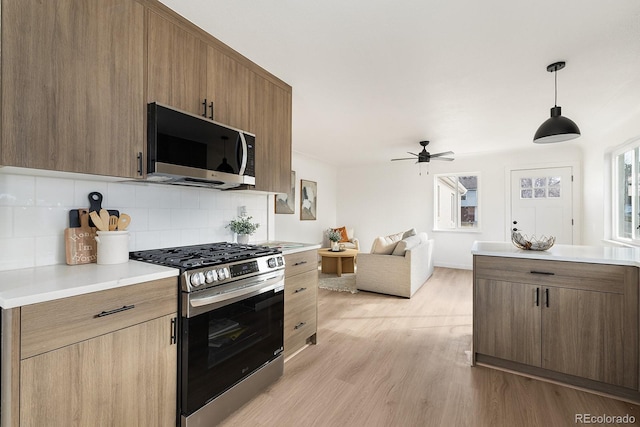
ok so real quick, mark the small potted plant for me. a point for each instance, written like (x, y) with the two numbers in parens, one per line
(243, 227)
(334, 236)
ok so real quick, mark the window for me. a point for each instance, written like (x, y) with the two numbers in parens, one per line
(626, 203)
(456, 202)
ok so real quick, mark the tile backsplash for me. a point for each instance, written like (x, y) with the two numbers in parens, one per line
(34, 211)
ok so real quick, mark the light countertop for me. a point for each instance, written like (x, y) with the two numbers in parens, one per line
(288, 248)
(39, 284)
(588, 254)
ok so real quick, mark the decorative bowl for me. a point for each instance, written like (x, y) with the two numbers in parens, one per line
(531, 243)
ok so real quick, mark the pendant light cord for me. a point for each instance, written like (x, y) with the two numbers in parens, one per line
(555, 98)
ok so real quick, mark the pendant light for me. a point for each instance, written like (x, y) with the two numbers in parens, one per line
(557, 128)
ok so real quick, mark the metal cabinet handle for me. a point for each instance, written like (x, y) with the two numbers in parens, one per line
(204, 108)
(139, 158)
(546, 273)
(546, 297)
(299, 325)
(537, 297)
(300, 263)
(211, 108)
(116, 310)
(299, 290)
(174, 331)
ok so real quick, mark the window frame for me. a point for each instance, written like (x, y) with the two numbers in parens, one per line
(437, 209)
(616, 193)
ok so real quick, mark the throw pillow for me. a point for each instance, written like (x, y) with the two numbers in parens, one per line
(409, 233)
(343, 233)
(385, 245)
(406, 244)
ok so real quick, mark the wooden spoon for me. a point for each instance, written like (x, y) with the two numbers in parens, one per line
(113, 223)
(104, 217)
(123, 221)
(97, 221)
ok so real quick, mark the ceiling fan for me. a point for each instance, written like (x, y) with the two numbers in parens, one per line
(425, 156)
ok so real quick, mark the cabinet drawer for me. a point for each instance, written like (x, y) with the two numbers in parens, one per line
(300, 262)
(297, 329)
(575, 275)
(300, 290)
(55, 324)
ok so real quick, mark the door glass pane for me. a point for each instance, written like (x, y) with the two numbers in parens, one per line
(526, 194)
(540, 182)
(525, 182)
(540, 193)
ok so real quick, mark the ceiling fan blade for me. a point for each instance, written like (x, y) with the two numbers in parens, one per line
(404, 158)
(446, 153)
(448, 159)
(412, 153)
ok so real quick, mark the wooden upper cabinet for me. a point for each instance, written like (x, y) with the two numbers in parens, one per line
(228, 86)
(73, 85)
(271, 111)
(175, 65)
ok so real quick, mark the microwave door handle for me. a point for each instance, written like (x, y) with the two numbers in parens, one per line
(243, 161)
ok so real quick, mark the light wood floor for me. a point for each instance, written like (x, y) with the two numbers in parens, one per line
(388, 361)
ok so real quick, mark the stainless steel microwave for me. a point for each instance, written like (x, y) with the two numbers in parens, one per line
(187, 149)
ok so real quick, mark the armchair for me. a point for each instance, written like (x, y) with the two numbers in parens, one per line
(351, 242)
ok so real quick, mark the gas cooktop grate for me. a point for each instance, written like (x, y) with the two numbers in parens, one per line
(194, 256)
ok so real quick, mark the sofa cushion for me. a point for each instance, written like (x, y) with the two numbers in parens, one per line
(343, 234)
(409, 233)
(406, 244)
(385, 245)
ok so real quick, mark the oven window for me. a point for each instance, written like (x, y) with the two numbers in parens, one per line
(222, 346)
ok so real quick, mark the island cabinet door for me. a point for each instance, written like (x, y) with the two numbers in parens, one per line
(507, 321)
(584, 335)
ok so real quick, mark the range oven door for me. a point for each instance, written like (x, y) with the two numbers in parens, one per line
(227, 336)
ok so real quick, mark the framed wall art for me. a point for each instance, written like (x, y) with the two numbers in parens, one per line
(308, 199)
(286, 203)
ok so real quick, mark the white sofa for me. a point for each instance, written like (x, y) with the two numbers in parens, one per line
(397, 265)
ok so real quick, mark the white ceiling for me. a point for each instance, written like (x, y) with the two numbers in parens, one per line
(371, 78)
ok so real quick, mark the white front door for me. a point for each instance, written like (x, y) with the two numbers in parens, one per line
(542, 203)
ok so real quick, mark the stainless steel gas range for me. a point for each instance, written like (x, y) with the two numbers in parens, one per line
(231, 313)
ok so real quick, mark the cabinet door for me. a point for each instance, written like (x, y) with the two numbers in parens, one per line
(175, 66)
(228, 86)
(73, 85)
(584, 335)
(271, 116)
(125, 378)
(507, 321)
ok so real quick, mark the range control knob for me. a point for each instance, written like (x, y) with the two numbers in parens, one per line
(210, 276)
(222, 274)
(197, 279)
(271, 262)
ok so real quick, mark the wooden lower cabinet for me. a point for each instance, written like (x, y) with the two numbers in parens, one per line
(300, 300)
(577, 320)
(125, 378)
(106, 358)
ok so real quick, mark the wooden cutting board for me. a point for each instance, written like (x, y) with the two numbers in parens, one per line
(80, 242)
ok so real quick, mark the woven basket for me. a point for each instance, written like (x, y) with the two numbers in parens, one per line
(531, 243)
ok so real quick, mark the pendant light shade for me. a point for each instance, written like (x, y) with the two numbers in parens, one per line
(557, 128)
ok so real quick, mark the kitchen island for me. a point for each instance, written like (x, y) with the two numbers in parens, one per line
(568, 314)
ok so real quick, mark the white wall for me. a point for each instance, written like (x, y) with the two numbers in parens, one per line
(34, 213)
(390, 197)
(289, 227)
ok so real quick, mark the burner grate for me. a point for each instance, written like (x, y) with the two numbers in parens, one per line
(188, 257)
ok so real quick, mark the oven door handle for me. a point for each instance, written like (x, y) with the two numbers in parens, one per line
(212, 299)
